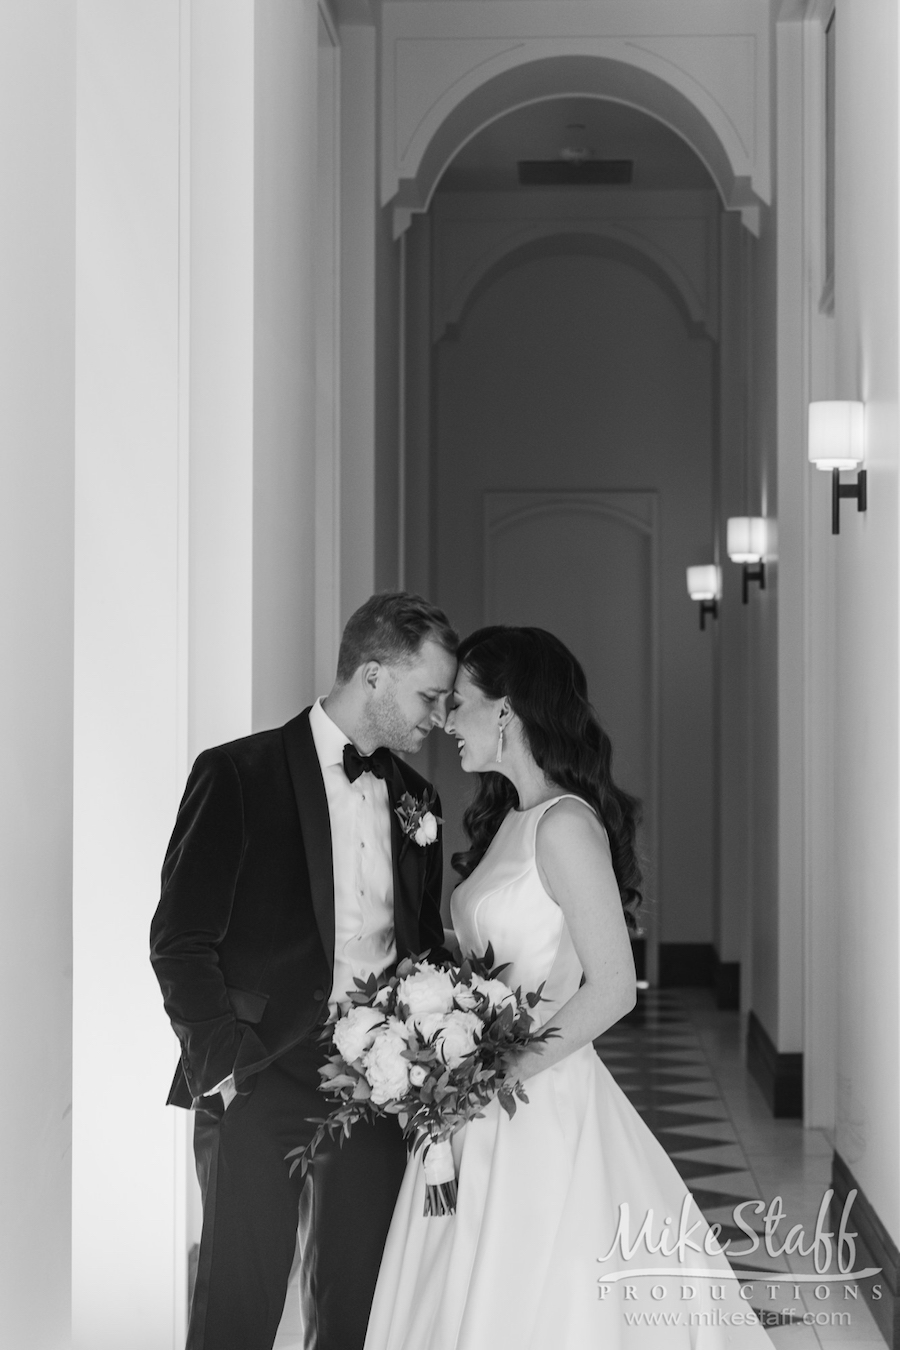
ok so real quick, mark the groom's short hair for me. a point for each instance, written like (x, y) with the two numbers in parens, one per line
(391, 627)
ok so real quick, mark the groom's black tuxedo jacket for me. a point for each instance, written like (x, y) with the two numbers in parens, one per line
(242, 942)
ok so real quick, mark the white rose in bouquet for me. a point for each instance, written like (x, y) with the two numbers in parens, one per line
(429, 1024)
(496, 992)
(355, 1031)
(387, 1070)
(457, 1037)
(428, 990)
(417, 1075)
(398, 1028)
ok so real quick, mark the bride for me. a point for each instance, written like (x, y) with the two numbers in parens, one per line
(547, 1246)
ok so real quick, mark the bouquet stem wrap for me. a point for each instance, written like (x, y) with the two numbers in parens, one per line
(440, 1178)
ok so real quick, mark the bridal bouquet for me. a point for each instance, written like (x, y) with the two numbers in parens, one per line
(430, 1045)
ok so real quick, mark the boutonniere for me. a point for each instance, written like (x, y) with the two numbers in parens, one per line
(417, 820)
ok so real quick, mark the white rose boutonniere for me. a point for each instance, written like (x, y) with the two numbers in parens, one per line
(417, 819)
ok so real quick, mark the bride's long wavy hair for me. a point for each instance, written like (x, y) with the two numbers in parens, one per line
(547, 690)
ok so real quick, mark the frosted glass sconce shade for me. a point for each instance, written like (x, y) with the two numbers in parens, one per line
(747, 539)
(705, 585)
(837, 440)
(836, 435)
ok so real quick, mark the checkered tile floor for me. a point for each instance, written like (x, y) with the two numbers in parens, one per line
(678, 1060)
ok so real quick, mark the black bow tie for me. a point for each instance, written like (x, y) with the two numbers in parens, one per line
(379, 762)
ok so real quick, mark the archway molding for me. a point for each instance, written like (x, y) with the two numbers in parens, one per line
(598, 238)
(428, 120)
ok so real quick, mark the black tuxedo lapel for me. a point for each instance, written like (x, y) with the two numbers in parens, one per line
(408, 859)
(315, 823)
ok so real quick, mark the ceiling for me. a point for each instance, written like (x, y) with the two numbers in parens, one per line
(605, 130)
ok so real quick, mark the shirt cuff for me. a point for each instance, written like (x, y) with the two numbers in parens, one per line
(226, 1082)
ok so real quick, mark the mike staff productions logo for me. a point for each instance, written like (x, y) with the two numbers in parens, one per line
(834, 1258)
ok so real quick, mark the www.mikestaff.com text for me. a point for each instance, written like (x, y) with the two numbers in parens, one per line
(720, 1317)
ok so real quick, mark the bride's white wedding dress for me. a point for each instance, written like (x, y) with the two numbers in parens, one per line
(516, 1268)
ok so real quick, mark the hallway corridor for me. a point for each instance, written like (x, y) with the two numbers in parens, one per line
(678, 1059)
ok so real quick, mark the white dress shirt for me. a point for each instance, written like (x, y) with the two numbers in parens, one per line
(360, 814)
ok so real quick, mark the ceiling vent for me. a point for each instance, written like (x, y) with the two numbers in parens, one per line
(575, 173)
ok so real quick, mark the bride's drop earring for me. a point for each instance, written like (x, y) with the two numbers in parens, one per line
(500, 748)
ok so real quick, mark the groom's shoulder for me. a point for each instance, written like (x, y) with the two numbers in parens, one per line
(257, 750)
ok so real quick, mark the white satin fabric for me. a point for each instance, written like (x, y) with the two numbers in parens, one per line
(516, 1268)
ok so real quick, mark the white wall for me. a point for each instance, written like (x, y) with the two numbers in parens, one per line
(577, 372)
(866, 676)
(37, 297)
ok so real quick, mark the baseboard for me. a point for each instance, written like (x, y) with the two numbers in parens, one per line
(779, 1075)
(874, 1247)
(727, 983)
(697, 965)
(685, 965)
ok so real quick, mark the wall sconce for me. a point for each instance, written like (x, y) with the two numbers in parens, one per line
(705, 584)
(837, 433)
(747, 542)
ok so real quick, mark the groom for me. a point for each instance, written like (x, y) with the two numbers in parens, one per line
(287, 875)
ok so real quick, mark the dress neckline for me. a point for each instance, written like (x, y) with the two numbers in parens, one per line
(524, 810)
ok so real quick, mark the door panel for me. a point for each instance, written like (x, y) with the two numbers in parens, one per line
(582, 565)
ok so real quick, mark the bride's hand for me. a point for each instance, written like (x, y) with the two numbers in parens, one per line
(512, 1078)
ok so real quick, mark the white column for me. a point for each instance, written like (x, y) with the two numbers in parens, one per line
(793, 547)
(734, 804)
(358, 208)
(328, 356)
(195, 545)
(284, 376)
(219, 247)
(127, 1271)
(37, 296)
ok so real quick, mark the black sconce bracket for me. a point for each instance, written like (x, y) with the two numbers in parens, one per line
(757, 573)
(839, 490)
(708, 607)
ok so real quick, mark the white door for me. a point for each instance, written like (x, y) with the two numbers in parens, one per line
(582, 565)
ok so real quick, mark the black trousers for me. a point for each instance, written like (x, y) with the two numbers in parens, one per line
(252, 1207)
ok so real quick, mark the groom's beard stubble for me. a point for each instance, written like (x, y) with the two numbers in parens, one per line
(386, 725)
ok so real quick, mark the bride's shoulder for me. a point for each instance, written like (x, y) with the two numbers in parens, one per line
(570, 823)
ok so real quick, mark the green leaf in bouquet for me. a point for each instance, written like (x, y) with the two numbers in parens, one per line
(508, 1102)
(339, 1080)
(332, 1067)
(536, 996)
